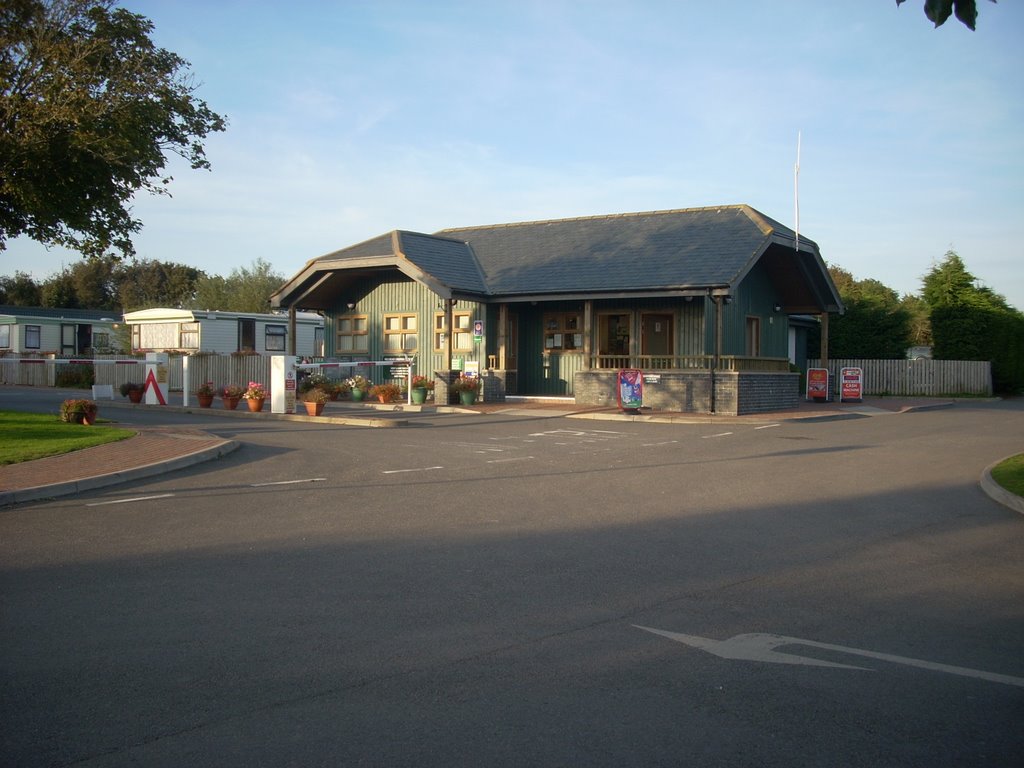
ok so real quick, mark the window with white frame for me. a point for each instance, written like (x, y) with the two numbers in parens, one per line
(188, 336)
(275, 338)
(5, 336)
(400, 333)
(463, 340)
(351, 335)
(33, 336)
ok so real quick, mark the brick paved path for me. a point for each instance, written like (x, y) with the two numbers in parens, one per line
(149, 446)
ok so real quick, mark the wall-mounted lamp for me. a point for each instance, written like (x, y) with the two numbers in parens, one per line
(727, 300)
(778, 307)
(351, 305)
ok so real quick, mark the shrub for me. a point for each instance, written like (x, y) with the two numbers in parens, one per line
(75, 376)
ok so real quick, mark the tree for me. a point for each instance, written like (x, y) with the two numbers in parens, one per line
(244, 290)
(20, 291)
(144, 284)
(876, 325)
(938, 11)
(89, 109)
(972, 322)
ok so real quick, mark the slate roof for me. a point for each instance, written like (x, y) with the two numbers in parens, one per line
(694, 249)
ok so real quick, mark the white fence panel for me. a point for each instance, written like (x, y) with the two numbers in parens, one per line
(917, 378)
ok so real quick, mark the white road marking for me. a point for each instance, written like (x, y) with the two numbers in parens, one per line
(290, 482)
(720, 434)
(654, 445)
(130, 501)
(502, 461)
(767, 426)
(761, 647)
(399, 471)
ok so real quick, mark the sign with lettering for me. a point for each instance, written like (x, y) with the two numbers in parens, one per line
(851, 384)
(629, 388)
(817, 383)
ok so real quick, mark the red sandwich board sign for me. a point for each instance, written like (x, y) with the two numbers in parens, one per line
(851, 384)
(817, 383)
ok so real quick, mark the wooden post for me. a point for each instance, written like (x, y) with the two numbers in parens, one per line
(588, 328)
(291, 330)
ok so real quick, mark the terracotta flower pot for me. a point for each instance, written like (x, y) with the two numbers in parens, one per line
(135, 395)
(255, 405)
(314, 409)
(205, 401)
(230, 403)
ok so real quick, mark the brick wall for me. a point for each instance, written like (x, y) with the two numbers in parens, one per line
(736, 393)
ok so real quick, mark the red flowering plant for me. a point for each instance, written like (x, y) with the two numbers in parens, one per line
(255, 391)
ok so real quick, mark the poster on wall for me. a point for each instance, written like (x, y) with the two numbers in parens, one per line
(630, 389)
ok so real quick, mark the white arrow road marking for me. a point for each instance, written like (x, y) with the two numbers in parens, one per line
(761, 647)
(129, 501)
(290, 482)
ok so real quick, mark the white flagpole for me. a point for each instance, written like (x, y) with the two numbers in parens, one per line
(796, 192)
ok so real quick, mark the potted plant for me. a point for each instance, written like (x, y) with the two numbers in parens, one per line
(359, 386)
(385, 393)
(132, 391)
(254, 395)
(315, 399)
(231, 394)
(421, 385)
(205, 393)
(78, 411)
(467, 387)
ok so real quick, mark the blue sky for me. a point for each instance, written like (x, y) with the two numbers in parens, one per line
(349, 119)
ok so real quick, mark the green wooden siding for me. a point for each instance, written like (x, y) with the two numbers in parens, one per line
(377, 298)
(552, 373)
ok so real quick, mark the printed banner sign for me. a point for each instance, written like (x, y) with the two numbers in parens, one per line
(817, 383)
(630, 388)
(851, 384)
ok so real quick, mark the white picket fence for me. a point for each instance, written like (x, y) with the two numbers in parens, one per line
(119, 369)
(919, 378)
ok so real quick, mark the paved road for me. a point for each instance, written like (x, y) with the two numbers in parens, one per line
(482, 590)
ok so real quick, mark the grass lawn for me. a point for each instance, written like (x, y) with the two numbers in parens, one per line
(27, 436)
(1010, 474)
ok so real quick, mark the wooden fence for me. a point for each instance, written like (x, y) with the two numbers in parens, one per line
(120, 369)
(917, 377)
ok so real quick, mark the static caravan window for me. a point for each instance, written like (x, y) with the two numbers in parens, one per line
(33, 335)
(136, 337)
(562, 331)
(400, 333)
(463, 341)
(351, 335)
(5, 336)
(101, 340)
(275, 337)
(188, 336)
